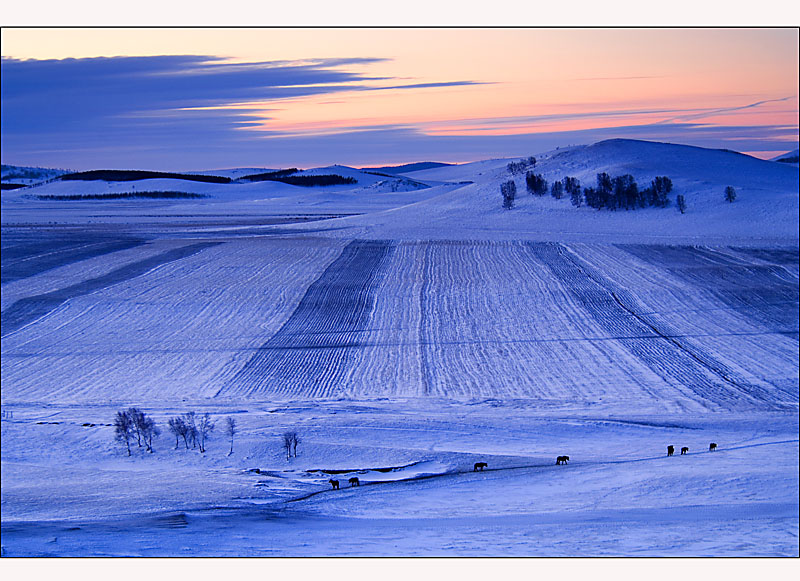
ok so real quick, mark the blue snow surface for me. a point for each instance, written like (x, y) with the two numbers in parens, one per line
(439, 349)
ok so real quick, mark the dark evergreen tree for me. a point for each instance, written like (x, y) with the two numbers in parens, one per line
(625, 192)
(509, 191)
(576, 197)
(557, 190)
(660, 187)
(536, 184)
(571, 185)
(591, 197)
(730, 194)
(681, 203)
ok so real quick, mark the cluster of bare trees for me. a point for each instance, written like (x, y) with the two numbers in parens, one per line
(194, 430)
(134, 425)
(290, 441)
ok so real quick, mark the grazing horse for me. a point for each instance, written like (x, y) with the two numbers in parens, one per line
(354, 481)
(684, 450)
(562, 460)
(670, 450)
(712, 446)
(479, 466)
(334, 484)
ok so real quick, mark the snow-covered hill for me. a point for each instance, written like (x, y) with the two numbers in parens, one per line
(431, 331)
(790, 155)
(765, 211)
(28, 175)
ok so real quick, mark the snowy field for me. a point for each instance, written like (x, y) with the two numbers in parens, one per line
(406, 333)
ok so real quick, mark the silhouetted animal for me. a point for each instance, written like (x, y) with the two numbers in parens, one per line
(712, 446)
(479, 466)
(670, 450)
(334, 484)
(354, 481)
(684, 450)
(562, 459)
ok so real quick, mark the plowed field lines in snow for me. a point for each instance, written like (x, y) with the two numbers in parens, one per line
(179, 330)
(308, 355)
(767, 293)
(684, 368)
(29, 309)
(496, 323)
(22, 259)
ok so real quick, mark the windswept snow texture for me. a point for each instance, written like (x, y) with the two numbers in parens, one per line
(309, 354)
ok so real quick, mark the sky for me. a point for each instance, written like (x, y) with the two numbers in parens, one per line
(184, 99)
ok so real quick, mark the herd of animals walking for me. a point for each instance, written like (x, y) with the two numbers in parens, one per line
(479, 466)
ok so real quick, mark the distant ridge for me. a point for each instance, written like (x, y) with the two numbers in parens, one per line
(409, 167)
(789, 157)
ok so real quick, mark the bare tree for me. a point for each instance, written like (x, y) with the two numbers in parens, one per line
(290, 441)
(175, 428)
(230, 430)
(191, 428)
(123, 429)
(287, 444)
(205, 426)
(144, 427)
(178, 428)
(137, 418)
(149, 431)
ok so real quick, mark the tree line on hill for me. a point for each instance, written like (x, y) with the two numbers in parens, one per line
(131, 175)
(286, 176)
(612, 193)
(120, 196)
